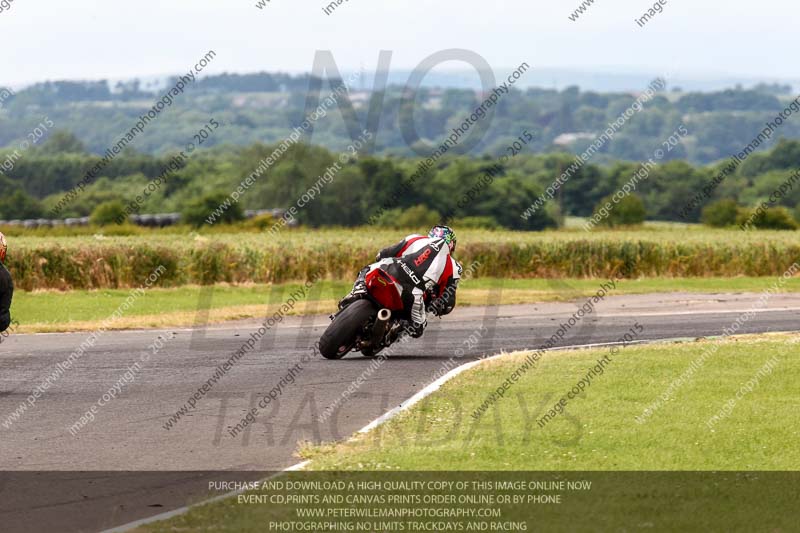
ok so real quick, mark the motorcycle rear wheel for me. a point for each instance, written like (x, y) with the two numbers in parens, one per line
(341, 335)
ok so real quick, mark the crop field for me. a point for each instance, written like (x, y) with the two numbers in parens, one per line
(100, 261)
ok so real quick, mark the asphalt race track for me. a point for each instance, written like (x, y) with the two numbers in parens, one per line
(125, 465)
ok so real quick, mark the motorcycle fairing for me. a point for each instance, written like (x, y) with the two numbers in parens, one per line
(385, 289)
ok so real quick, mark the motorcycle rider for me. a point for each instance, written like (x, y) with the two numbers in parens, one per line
(6, 287)
(421, 265)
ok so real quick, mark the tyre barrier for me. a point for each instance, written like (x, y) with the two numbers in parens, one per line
(159, 220)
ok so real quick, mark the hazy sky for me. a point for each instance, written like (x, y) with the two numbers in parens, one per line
(91, 39)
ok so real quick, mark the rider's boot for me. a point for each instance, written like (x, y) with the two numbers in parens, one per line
(359, 289)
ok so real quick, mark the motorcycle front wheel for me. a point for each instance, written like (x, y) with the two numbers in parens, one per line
(342, 334)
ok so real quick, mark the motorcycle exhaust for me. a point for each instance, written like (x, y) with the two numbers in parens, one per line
(380, 327)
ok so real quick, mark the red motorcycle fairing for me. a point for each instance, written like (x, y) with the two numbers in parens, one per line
(385, 289)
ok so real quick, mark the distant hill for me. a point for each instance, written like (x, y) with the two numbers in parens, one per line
(264, 107)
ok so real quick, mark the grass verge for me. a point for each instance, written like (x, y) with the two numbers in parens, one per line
(598, 430)
(177, 307)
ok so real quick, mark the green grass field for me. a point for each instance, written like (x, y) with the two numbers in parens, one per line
(84, 310)
(597, 431)
(600, 431)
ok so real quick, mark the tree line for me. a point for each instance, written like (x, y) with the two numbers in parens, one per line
(40, 178)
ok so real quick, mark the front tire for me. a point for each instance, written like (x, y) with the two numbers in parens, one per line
(341, 335)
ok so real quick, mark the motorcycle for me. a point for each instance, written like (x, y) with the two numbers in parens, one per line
(368, 324)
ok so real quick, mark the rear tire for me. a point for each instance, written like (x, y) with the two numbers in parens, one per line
(340, 336)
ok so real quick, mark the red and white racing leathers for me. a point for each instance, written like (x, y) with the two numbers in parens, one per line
(422, 264)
